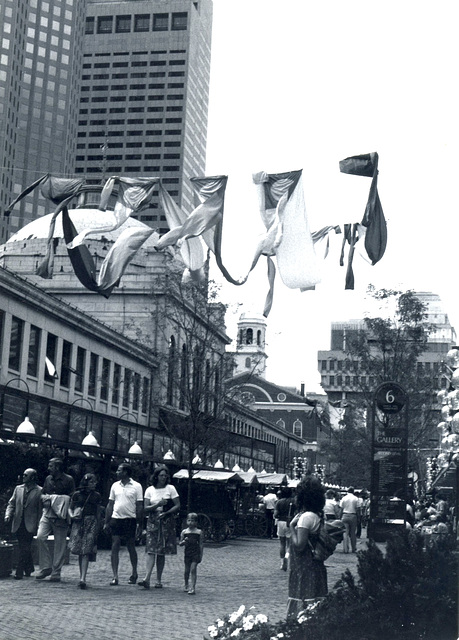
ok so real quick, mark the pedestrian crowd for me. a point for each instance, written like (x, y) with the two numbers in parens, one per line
(75, 518)
(297, 517)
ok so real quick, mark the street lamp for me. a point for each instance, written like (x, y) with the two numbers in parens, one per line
(135, 449)
(26, 426)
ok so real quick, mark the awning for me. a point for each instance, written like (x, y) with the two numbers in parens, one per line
(223, 477)
(274, 479)
(248, 477)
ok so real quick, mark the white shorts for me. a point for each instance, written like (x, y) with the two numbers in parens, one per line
(283, 530)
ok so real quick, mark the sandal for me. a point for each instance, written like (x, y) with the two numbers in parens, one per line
(144, 583)
(158, 585)
(114, 582)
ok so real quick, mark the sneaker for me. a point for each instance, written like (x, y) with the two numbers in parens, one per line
(44, 573)
(185, 588)
(191, 592)
(284, 564)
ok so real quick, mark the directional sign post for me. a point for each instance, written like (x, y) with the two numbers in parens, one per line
(389, 455)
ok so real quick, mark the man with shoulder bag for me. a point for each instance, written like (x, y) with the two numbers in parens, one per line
(57, 489)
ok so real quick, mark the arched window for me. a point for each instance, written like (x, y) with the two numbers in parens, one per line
(281, 423)
(298, 428)
(171, 371)
(249, 336)
(248, 363)
(258, 337)
(241, 337)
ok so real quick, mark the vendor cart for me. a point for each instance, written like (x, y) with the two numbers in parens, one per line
(214, 496)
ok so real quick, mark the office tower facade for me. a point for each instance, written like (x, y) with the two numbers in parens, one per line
(144, 95)
(40, 64)
(341, 379)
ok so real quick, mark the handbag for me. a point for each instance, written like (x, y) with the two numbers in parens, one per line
(76, 513)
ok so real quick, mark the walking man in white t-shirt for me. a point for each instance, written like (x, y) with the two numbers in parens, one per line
(123, 514)
(350, 509)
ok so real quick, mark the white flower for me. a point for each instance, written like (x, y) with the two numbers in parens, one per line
(302, 619)
(236, 614)
(261, 618)
(236, 632)
(212, 628)
(220, 623)
(213, 634)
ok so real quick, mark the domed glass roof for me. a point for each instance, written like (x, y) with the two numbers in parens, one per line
(82, 219)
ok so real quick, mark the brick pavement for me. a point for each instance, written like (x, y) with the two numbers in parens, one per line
(241, 571)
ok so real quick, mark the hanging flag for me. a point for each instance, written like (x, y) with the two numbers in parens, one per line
(134, 194)
(296, 260)
(205, 216)
(115, 262)
(191, 249)
(282, 209)
(373, 219)
(60, 191)
(55, 189)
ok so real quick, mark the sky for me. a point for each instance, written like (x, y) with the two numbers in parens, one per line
(302, 84)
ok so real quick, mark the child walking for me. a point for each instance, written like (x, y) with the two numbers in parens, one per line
(193, 540)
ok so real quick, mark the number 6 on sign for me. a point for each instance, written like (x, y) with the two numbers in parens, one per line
(390, 397)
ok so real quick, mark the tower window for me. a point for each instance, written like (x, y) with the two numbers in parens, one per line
(258, 337)
(249, 336)
(248, 363)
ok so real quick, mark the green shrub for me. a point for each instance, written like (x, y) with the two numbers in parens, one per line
(408, 593)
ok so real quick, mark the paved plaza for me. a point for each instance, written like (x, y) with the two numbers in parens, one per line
(240, 571)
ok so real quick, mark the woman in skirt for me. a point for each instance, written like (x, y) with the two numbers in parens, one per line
(85, 529)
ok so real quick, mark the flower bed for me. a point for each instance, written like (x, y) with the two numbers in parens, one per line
(408, 593)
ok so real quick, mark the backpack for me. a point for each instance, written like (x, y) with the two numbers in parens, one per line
(329, 535)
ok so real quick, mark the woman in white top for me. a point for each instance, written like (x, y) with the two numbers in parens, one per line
(308, 577)
(161, 503)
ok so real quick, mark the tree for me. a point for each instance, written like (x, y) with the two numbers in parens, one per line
(188, 336)
(388, 348)
(348, 449)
